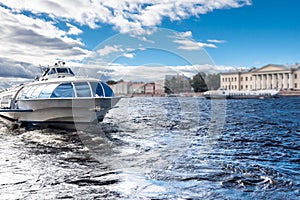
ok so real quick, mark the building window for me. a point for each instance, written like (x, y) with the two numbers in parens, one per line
(246, 86)
(295, 85)
(241, 78)
(223, 79)
(235, 87)
(231, 78)
(296, 76)
(235, 79)
(241, 87)
(246, 78)
(250, 78)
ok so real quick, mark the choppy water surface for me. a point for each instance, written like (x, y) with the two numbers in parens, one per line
(161, 148)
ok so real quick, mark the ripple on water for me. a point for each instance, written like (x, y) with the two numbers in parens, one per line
(161, 148)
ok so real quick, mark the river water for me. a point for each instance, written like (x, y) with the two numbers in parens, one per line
(161, 148)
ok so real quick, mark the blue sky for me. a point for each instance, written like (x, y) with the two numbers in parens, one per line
(189, 34)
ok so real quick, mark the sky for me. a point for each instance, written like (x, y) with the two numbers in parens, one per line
(143, 40)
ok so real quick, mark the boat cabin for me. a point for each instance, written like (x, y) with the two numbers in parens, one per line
(57, 71)
(57, 81)
(66, 90)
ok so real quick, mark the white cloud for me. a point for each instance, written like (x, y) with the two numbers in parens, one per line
(73, 30)
(31, 40)
(217, 41)
(187, 43)
(129, 55)
(9, 82)
(127, 16)
(152, 73)
(109, 49)
(190, 45)
(183, 35)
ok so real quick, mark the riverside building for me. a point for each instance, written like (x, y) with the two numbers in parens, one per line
(267, 77)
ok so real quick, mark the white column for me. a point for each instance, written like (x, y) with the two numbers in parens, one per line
(259, 82)
(291, 82)
(279, 78)
(268, 81)
(263, 81)
(273, 81)
(284, 81)
(253, 82)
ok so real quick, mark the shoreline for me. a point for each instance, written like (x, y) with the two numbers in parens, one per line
(196, 94)
(289, 93)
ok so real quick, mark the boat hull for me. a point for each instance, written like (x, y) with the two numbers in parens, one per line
(60, 113)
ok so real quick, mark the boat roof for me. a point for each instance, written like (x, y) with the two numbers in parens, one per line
(64, 80)
(58, 70)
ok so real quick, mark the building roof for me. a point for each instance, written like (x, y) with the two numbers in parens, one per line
(266, 68)
(271, 67)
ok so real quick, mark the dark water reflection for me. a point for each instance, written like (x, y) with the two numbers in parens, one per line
(162, 148)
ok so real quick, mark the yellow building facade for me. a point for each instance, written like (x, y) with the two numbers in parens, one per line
(267, 77)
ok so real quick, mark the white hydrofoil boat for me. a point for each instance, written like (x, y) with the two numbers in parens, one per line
(58, 99)
(250, 94)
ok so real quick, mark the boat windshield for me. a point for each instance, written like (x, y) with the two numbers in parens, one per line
(60, 70)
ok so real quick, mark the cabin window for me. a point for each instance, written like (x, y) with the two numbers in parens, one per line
(64, 90)
(23, 92)
(29, 92)
(71, 72)
(35, 94)
(47, 91)
(82, 89)
(107, 90)
(6, 101)
(62, 70)
(51, 71)
(97, 89)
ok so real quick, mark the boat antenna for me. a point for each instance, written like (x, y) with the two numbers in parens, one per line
(42, 68)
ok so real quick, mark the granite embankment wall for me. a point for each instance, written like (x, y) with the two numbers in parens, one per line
(290, 93)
